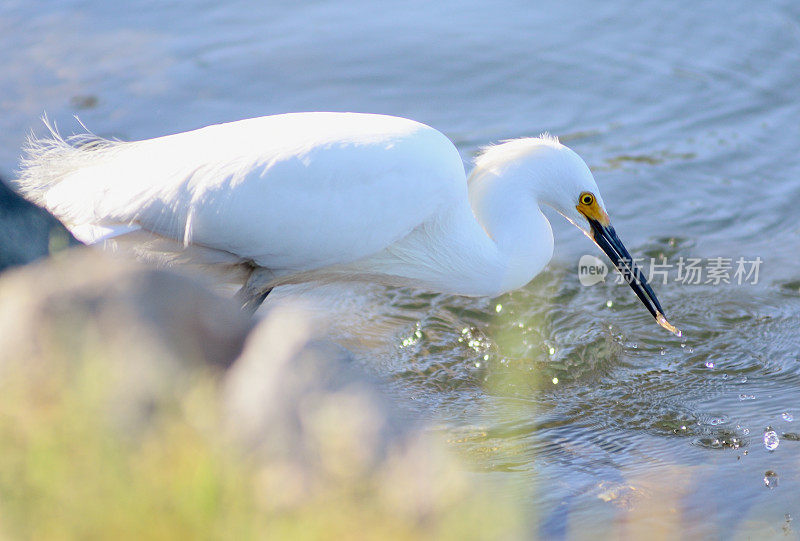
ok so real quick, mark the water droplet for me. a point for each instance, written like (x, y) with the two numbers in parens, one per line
(609, 304)
(747, 397)
(683, 345)
(724, 376)
(770, 479)
(710, 364)
(477, 364)
(498, 308)
(743, 380)
(552, 350)
(663, 351)
(683, 427)
(691, 350)
(745, 431)
(786, 416)
(555, 381)
(771, 440)
(485, 357)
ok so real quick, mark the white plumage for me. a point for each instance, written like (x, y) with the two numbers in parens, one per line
(320, 196)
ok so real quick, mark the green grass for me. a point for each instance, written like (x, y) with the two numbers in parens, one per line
(70, 469)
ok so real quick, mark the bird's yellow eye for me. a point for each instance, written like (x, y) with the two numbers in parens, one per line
(586, 199)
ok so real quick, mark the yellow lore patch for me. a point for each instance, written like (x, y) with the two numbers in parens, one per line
(588, 206)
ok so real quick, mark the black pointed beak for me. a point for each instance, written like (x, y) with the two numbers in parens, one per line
(608, 241)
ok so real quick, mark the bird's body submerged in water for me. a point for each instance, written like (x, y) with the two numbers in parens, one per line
(329, 196)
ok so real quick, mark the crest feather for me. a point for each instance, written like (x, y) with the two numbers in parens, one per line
(509, 148)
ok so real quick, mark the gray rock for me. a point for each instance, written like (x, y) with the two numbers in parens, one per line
(27, 232)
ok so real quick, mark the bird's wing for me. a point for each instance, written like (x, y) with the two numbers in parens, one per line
(296, 191)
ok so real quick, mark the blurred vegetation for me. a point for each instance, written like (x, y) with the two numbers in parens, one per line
(116, 423)
(67, 472)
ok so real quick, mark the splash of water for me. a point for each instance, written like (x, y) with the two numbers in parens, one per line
(771, 440)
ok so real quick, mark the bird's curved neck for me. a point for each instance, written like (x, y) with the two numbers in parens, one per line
(508, 210)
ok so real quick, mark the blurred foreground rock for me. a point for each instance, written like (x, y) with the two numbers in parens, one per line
(137, 404)
(27, 232)
(148, 329)
(317, 423)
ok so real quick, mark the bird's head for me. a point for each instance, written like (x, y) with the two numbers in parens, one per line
(562, 180)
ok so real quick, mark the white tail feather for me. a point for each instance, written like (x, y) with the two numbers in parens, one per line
(47, 161)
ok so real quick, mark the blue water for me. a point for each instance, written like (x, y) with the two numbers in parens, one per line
(688, 114)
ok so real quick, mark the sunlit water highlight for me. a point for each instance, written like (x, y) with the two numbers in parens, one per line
(688, 116)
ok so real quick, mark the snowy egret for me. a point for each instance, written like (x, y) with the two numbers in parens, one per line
(330, 196)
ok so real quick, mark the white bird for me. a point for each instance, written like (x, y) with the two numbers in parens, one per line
(330, 196)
